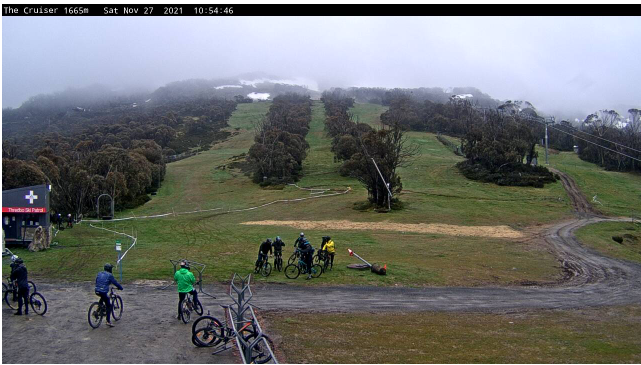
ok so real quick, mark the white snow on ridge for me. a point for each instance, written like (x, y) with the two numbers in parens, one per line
(226, 86)
(307, 83)
(463, 96)
(258, 96)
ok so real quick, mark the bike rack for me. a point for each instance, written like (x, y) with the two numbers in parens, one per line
(199, 267)
(241, 300)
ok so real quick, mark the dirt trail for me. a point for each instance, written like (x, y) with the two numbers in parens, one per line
(434, 228)
(591, 280)
(579, 202)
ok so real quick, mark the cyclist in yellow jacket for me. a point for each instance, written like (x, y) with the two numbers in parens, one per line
(330, 249)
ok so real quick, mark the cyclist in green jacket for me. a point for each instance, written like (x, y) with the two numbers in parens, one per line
(185, 281)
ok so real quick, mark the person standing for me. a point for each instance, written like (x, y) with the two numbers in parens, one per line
(307, 254)
(19, 277)
(330, 250)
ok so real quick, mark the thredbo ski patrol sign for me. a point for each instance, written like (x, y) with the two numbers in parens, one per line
(23, 210)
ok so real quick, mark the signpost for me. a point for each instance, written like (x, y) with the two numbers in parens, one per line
(119, 250)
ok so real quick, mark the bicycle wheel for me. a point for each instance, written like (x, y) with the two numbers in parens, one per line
(38, 303)
(292, 271)
(94, 316)
(279, 264)
(207, 331)
(5, 290)
(325, 265)
(185, 312)
(11, 299)
(259, 354)
(292, 259)
(266, 269)
(317, 270)
(198, 308)
(116, 307)
(32, 286)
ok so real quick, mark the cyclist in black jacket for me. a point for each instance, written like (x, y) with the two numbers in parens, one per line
(278, 246)
(19, 276)
(307, 254)
(300, 241)
(265, 248)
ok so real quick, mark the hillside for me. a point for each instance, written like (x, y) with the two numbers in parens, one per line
(435, 193)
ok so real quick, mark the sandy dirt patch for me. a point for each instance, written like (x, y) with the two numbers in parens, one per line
(433, 228)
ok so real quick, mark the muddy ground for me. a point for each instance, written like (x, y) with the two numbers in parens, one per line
(147, 333)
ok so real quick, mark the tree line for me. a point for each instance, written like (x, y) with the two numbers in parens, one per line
(608, 126)
(371, 156)
(120, 152)
(499, 143)
(279, 145)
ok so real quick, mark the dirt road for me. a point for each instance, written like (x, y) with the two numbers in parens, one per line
(147, 333)
(591, 280)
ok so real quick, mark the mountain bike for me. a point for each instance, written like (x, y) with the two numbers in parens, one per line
(264, 267)
(97, 310)
(294, 257)
(278, 260)
(293, 271)
(10, 292)
(208, 331)
(188, 305)
(36, 300)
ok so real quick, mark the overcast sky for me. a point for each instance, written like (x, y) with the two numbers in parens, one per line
(557, 63)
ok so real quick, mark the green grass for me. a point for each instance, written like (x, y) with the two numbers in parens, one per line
(434, 193)
(369, 113)
(599, 236)
(618, 192)
(601, 335)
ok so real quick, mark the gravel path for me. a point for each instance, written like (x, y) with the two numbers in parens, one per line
(148, 331)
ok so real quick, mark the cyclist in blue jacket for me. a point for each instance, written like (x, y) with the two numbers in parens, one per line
(103, 280)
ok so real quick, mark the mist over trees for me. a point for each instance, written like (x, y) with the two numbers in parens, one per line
(616, 133)
(371, 156)
(114, 147)
(279, 143)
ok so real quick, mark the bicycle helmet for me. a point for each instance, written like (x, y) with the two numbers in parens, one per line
(184, 264)
(269, 240)
(19, 261)
(277, 238)
(108, 267)
(302, 234)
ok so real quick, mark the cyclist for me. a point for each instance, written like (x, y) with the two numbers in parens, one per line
(307, 254)
(300, 241)
(103, 280)
(19, 277)
(264, 249)
(330, 250)
(278, 246)
(185, 281)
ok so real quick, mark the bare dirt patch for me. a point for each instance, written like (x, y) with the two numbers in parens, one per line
(433, 228)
